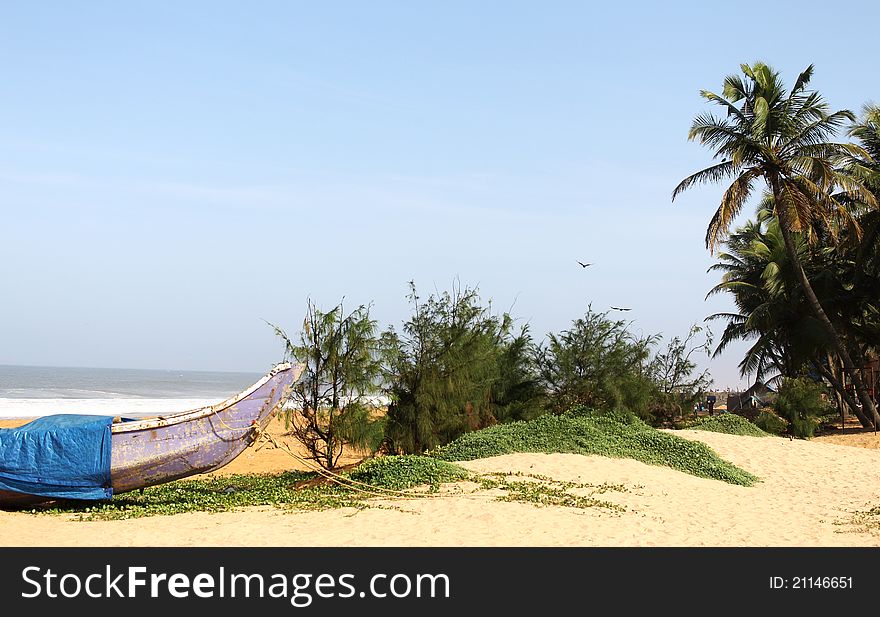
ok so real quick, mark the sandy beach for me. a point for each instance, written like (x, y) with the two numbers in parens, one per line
(809, 496)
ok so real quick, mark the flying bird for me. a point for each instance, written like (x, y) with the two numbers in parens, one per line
(583, 265)
(619, 308)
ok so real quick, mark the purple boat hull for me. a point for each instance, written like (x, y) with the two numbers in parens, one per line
(166, 448)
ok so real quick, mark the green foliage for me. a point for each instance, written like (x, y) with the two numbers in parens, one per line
(581, 432)
(517, 393)
(403, 472)
(673, 372)
(220, 494)
(729, 423)
(800, 402)
(455, 367)
(770, 422)
(597, 363)
(815, 296)
(772, 309)
(617, 415)
(543, 491)
(224, 494)
(334, 400)
(780, 137)
(396, 473)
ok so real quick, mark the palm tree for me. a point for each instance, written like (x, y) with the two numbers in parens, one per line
(758, 275)
(788, 339)
(782, 138)
(867, 131)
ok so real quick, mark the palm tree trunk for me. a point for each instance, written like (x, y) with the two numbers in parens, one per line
(838, 392)
(841, 393)
(868, 408)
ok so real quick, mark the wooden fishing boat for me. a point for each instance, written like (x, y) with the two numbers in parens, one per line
(156, 450)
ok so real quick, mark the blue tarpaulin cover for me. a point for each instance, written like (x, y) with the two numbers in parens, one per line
(65, 456)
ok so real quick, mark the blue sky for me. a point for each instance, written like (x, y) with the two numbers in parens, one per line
(173, 175)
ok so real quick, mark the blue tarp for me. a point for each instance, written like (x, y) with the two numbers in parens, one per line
(65, 456)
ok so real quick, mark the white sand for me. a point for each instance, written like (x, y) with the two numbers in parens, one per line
(809, 492)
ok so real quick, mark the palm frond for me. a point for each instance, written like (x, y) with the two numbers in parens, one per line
(803, 80)
(816, 132)
(720, 134)
(734, 88)
(732, 109)
(731, 205)
(715, 173)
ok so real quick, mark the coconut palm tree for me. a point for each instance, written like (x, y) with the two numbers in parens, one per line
(867, 254)
(867, 132)
(771, 308)
(782, 139)
(757, 273)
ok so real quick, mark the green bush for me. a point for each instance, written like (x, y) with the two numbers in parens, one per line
(830, 420)
(800, 402)
(618, 415)
(583, 431)
(599, 363)
(771, 423)
(403, 472)
(331, 407)
(455, 367)
(727, 423)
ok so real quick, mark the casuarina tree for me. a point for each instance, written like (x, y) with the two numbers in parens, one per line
(334, 404)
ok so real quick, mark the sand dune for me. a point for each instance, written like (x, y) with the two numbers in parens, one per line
(809, 493)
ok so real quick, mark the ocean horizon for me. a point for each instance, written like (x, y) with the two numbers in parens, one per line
(35, 391)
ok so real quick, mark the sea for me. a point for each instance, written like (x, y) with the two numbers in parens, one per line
(36, 391)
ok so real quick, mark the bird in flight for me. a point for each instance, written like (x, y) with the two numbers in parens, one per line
(620, 308)
(583, 265)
